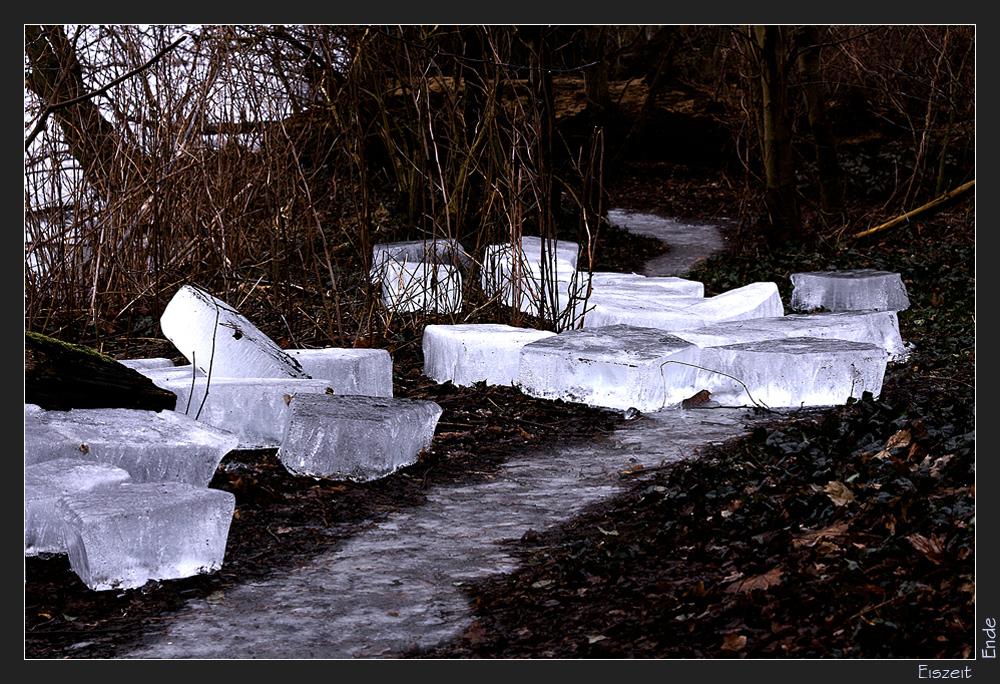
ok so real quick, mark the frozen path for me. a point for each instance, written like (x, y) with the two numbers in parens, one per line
(689, 242)
(397, 585)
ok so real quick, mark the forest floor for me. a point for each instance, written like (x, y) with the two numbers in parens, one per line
(845, 534)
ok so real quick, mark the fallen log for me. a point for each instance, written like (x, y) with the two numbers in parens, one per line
(59, 376)
(947, 197)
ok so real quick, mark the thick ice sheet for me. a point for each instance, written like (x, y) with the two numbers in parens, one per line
(791, 372)
(220, 341)
(123, 537)
(46, 483)
(348, 370)
(253, 409)
(355, 437)
(856, 290)
(420, 286)
(618, 367)
(153, 447)
(471, 353)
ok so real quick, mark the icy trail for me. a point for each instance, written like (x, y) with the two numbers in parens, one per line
(397, 585)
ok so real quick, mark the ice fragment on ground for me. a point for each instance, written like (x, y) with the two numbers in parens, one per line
(152, 446)
(123, 537)
(253, 409)
(672, 284)
(45, 483)
(471, 353)
(791, 372)
(356, 437)
(220, 341)
(349, 371)
(856, 290)
(618, 367)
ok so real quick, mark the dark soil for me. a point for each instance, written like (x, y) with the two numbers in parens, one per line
(845, 533)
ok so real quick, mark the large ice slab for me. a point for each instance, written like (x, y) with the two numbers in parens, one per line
(46, 483)
(123, 537)
(421, 286)
(348, 370)
(253, 409)
(682, 312)
(638, 282)
(220, 341)
(855, 290)
(618, 367)
(479, 352)
(146, 364)
(876, 327)
(356, 437)
(163, 446)
(791, 372)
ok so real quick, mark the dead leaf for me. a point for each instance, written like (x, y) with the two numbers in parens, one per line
(839, 493)
(733, 642)
(900, 439)
(593, 639)
(811, 537)
(762, 582)
(932, 547)
(698, 399)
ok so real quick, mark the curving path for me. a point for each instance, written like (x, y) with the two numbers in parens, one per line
(397, 585)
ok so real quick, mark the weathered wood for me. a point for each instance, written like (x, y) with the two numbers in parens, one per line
(948, 196)
(62, 376)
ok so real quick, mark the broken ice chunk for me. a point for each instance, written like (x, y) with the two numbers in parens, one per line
(356, 437)
(123, 537)
(45, 483)
(856, 290)
(220, 341)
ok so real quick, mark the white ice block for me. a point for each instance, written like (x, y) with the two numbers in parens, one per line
(880, 328)
(355, 437)
(253, 409)
(478, 352)
(420, 286)
(791, 372)
(349, 371)
(855, 290)
(123, 537)
(641, 313)
(45, 483)
(438, 251)
(153, 447)
(618, 367)
(220, 341)
(517, 274)
(672, 284)
(756, 300)
(159, 376)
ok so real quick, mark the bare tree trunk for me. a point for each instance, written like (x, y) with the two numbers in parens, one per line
(769, 52)
(829, 176)
(55, 75)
